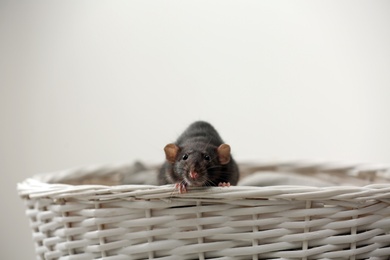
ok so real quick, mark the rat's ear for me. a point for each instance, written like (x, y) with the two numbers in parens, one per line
(171, 152)
(224, 153)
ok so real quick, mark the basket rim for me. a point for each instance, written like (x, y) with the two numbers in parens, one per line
(48, 185)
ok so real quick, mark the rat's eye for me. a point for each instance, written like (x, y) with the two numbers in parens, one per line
(206, 157)
(185, 157)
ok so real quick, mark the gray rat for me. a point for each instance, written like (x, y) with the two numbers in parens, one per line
(199, 157)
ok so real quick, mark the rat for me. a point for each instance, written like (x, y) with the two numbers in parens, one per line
(198, 158)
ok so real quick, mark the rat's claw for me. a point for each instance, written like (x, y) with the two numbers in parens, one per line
(224, 184)
(182, 187)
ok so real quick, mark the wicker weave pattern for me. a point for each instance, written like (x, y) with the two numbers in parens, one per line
(151, 222)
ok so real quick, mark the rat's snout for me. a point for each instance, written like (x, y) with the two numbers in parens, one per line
(194, 175)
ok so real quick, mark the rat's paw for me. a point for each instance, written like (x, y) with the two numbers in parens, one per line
(224, 184)
(182, 187)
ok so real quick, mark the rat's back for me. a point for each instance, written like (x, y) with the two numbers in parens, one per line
(200, 130)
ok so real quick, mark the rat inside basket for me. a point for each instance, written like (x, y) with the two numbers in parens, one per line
(139, 221)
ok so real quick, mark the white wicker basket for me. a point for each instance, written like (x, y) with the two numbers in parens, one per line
(74, 220)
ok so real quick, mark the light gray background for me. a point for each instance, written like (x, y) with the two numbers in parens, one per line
(90, 82)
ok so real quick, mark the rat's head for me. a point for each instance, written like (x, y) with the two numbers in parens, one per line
(196, 164)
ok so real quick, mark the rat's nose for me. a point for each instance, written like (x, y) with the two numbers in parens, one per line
(194, 175)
